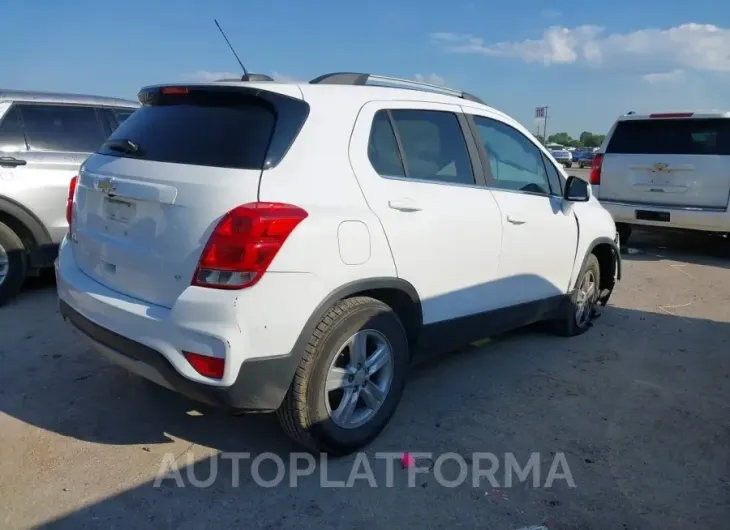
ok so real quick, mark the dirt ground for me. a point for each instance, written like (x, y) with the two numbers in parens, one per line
(639, 406)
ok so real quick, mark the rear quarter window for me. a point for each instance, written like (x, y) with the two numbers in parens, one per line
(671, 136)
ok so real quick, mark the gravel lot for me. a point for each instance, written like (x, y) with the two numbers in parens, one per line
(639, 406)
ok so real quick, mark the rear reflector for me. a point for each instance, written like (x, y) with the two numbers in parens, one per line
(672, 115)
(70, 201)
(244, 243)
(212, 367)
(174, 90)
(595, 177)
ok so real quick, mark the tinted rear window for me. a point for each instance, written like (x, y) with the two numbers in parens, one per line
(671, 137)
(212, 128)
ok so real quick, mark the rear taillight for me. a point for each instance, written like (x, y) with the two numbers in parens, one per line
(595, 177)
(70, 200)
(244, 243)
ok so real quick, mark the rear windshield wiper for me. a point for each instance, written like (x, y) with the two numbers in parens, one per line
(127, 147)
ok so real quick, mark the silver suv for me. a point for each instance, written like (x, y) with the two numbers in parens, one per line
(44, 138)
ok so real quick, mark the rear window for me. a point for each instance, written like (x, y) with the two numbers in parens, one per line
(671, 137)
(210, 128)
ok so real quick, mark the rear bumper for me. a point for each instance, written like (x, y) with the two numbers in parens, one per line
(680, 218)
(260, 386)
(255, 336)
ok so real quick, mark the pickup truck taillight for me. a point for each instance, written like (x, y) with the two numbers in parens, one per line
(595, 177)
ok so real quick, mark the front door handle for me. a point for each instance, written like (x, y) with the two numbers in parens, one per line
(516, 220)
(404, 205)
(9, 161)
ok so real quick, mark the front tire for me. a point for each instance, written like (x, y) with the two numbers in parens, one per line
(13, 264)
(350, 380)
(579, 309)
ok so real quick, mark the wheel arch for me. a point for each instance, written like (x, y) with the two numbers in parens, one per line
(609, 259)
(399, 294)
(278, 373)
(24, 223)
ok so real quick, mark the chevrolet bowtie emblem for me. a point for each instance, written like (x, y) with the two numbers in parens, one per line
(106, 185)
(659, 166)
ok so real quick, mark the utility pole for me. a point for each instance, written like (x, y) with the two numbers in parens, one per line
(544, 125)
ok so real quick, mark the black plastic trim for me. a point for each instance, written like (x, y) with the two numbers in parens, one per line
(258, 387)
(606, 291)
(441, 337)
(480, 178)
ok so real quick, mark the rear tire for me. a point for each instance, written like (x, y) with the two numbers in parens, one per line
(310, 414)
(568, 165)
(572, 321)
(13, 264)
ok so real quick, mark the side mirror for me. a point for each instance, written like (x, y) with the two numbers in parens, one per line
(576, 190)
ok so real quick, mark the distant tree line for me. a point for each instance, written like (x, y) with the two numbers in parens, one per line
(586, 139)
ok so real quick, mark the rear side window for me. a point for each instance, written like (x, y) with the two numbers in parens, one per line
(61, 128)
(12, 139)
(420, 144)
(671, 137)
(212, 127)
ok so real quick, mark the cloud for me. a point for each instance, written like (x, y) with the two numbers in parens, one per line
(204, 76)
(432, 79)
(674, 76)
(691, 46)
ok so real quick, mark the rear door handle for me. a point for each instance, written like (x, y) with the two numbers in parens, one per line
(516, 220)
(9, 161)
(404, 205)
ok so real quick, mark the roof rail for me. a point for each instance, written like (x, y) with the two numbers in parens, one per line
(355, 78)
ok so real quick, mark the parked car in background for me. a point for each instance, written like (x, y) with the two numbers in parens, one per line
(666, 170)
(562, 155)
(44, 138)
(204, 255)
(583, 158)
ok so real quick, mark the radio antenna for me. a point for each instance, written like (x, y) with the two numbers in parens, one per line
(245, 73)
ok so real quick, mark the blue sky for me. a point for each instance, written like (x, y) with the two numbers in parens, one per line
(588, 61)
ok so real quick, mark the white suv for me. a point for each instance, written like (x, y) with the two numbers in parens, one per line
(290, 247)
(666, 170)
